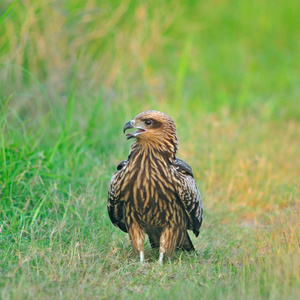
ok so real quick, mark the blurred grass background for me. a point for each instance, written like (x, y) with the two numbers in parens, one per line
(73, 72)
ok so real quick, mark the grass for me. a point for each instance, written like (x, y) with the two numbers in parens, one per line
(72, 74)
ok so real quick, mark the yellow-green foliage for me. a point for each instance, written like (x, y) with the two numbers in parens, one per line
(73, 72)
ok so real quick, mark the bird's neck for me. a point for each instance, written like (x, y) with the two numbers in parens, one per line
(151, 150)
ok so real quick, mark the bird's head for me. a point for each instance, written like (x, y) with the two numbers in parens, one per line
(154, 129)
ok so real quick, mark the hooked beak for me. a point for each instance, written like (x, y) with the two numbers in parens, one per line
(128, 125)
(130, 135)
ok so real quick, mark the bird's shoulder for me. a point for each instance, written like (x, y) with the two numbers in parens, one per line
(122, 165)
(183, 167)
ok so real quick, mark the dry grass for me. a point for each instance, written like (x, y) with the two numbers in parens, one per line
(73, 73)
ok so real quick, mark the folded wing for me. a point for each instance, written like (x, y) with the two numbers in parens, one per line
(189, 195)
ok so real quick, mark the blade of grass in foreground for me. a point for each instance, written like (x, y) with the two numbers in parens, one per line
(8, 11)
(39, 207)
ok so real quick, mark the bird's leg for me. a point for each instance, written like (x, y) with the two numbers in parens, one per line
(168, 242)
(161, 256)
(137, 238)
(141, 257)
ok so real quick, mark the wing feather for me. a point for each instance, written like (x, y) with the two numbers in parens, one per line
(189, 194)
(114, 205)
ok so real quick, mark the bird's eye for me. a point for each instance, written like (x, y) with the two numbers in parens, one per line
(148, 122)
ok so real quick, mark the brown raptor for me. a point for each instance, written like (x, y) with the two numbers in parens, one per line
(154, 192)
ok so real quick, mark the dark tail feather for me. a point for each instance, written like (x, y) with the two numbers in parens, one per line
(187, 243)
(154, 241)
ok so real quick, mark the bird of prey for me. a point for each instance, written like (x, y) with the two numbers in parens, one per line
(154, 192)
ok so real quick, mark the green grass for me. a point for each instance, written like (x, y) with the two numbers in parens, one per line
(73, 73)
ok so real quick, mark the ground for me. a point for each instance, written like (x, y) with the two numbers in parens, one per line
(73, 74)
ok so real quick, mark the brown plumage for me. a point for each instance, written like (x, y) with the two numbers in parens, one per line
(154, 192)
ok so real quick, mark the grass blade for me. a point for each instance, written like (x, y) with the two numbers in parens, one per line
(8, 11)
